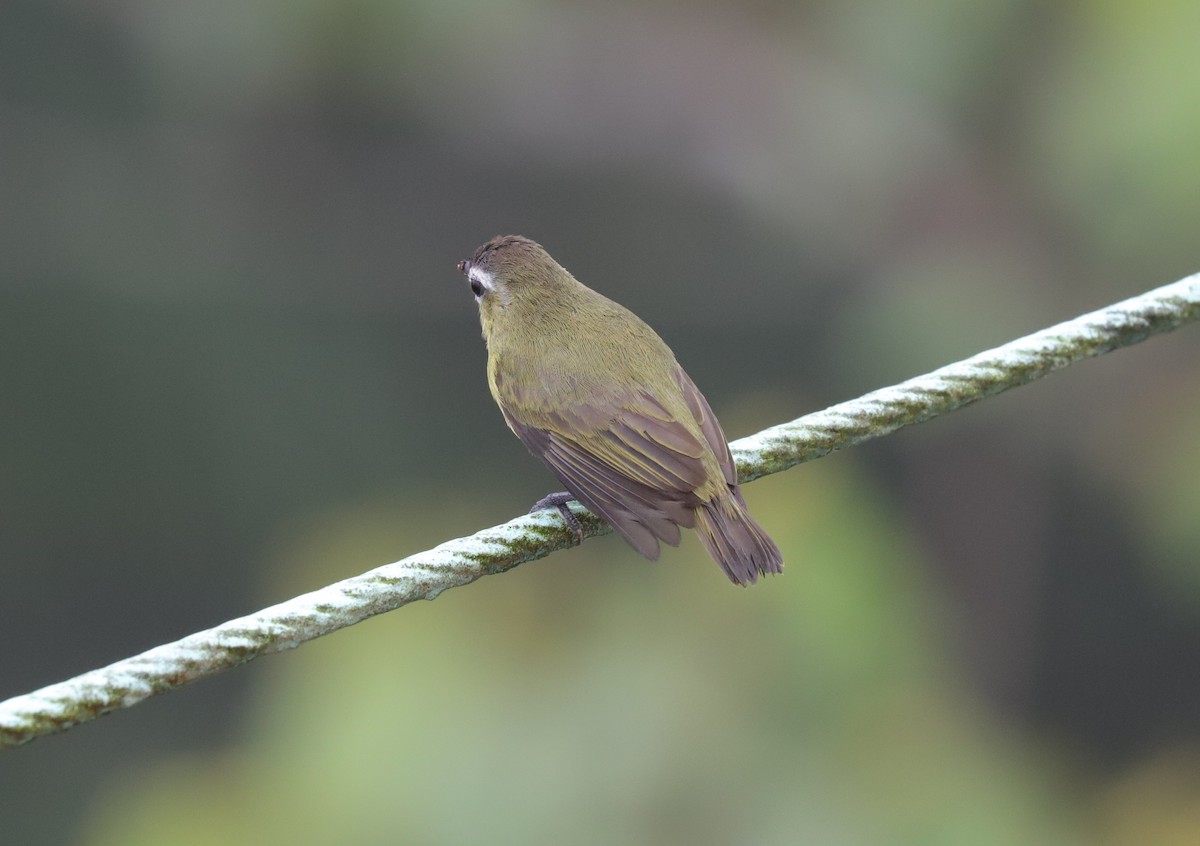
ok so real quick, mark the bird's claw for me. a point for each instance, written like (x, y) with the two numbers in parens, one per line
(559, 502)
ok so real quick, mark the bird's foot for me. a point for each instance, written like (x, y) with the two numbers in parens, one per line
(559, 501)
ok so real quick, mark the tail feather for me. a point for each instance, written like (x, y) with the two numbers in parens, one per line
(736, 541)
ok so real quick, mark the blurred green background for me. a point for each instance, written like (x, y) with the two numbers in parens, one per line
(238, 364)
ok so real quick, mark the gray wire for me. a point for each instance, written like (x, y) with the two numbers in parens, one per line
(495, 550)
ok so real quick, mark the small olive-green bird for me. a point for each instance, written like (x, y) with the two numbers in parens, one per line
(592, 391)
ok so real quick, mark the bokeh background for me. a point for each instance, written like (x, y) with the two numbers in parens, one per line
(236, 364)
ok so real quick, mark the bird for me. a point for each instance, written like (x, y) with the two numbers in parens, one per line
(599, 397)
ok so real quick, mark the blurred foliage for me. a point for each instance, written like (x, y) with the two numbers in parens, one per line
(238, 364)
(558, 706)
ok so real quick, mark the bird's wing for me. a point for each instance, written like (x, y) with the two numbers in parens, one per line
(708, 426)
(638, 469)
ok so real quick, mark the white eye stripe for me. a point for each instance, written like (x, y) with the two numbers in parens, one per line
(484, 278)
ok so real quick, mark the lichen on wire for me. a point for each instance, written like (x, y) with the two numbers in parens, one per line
(970, 380)
(498, 549)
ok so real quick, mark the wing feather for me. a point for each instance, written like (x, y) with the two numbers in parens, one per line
(703, 415)
(638, 469)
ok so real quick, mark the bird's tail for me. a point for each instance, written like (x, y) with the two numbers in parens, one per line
(736, 541)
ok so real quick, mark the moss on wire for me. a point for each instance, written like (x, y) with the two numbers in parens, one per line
(501, 548)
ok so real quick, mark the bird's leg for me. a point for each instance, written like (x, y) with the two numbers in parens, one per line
(559, 501)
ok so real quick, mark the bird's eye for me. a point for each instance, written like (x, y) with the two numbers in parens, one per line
(476, 288)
